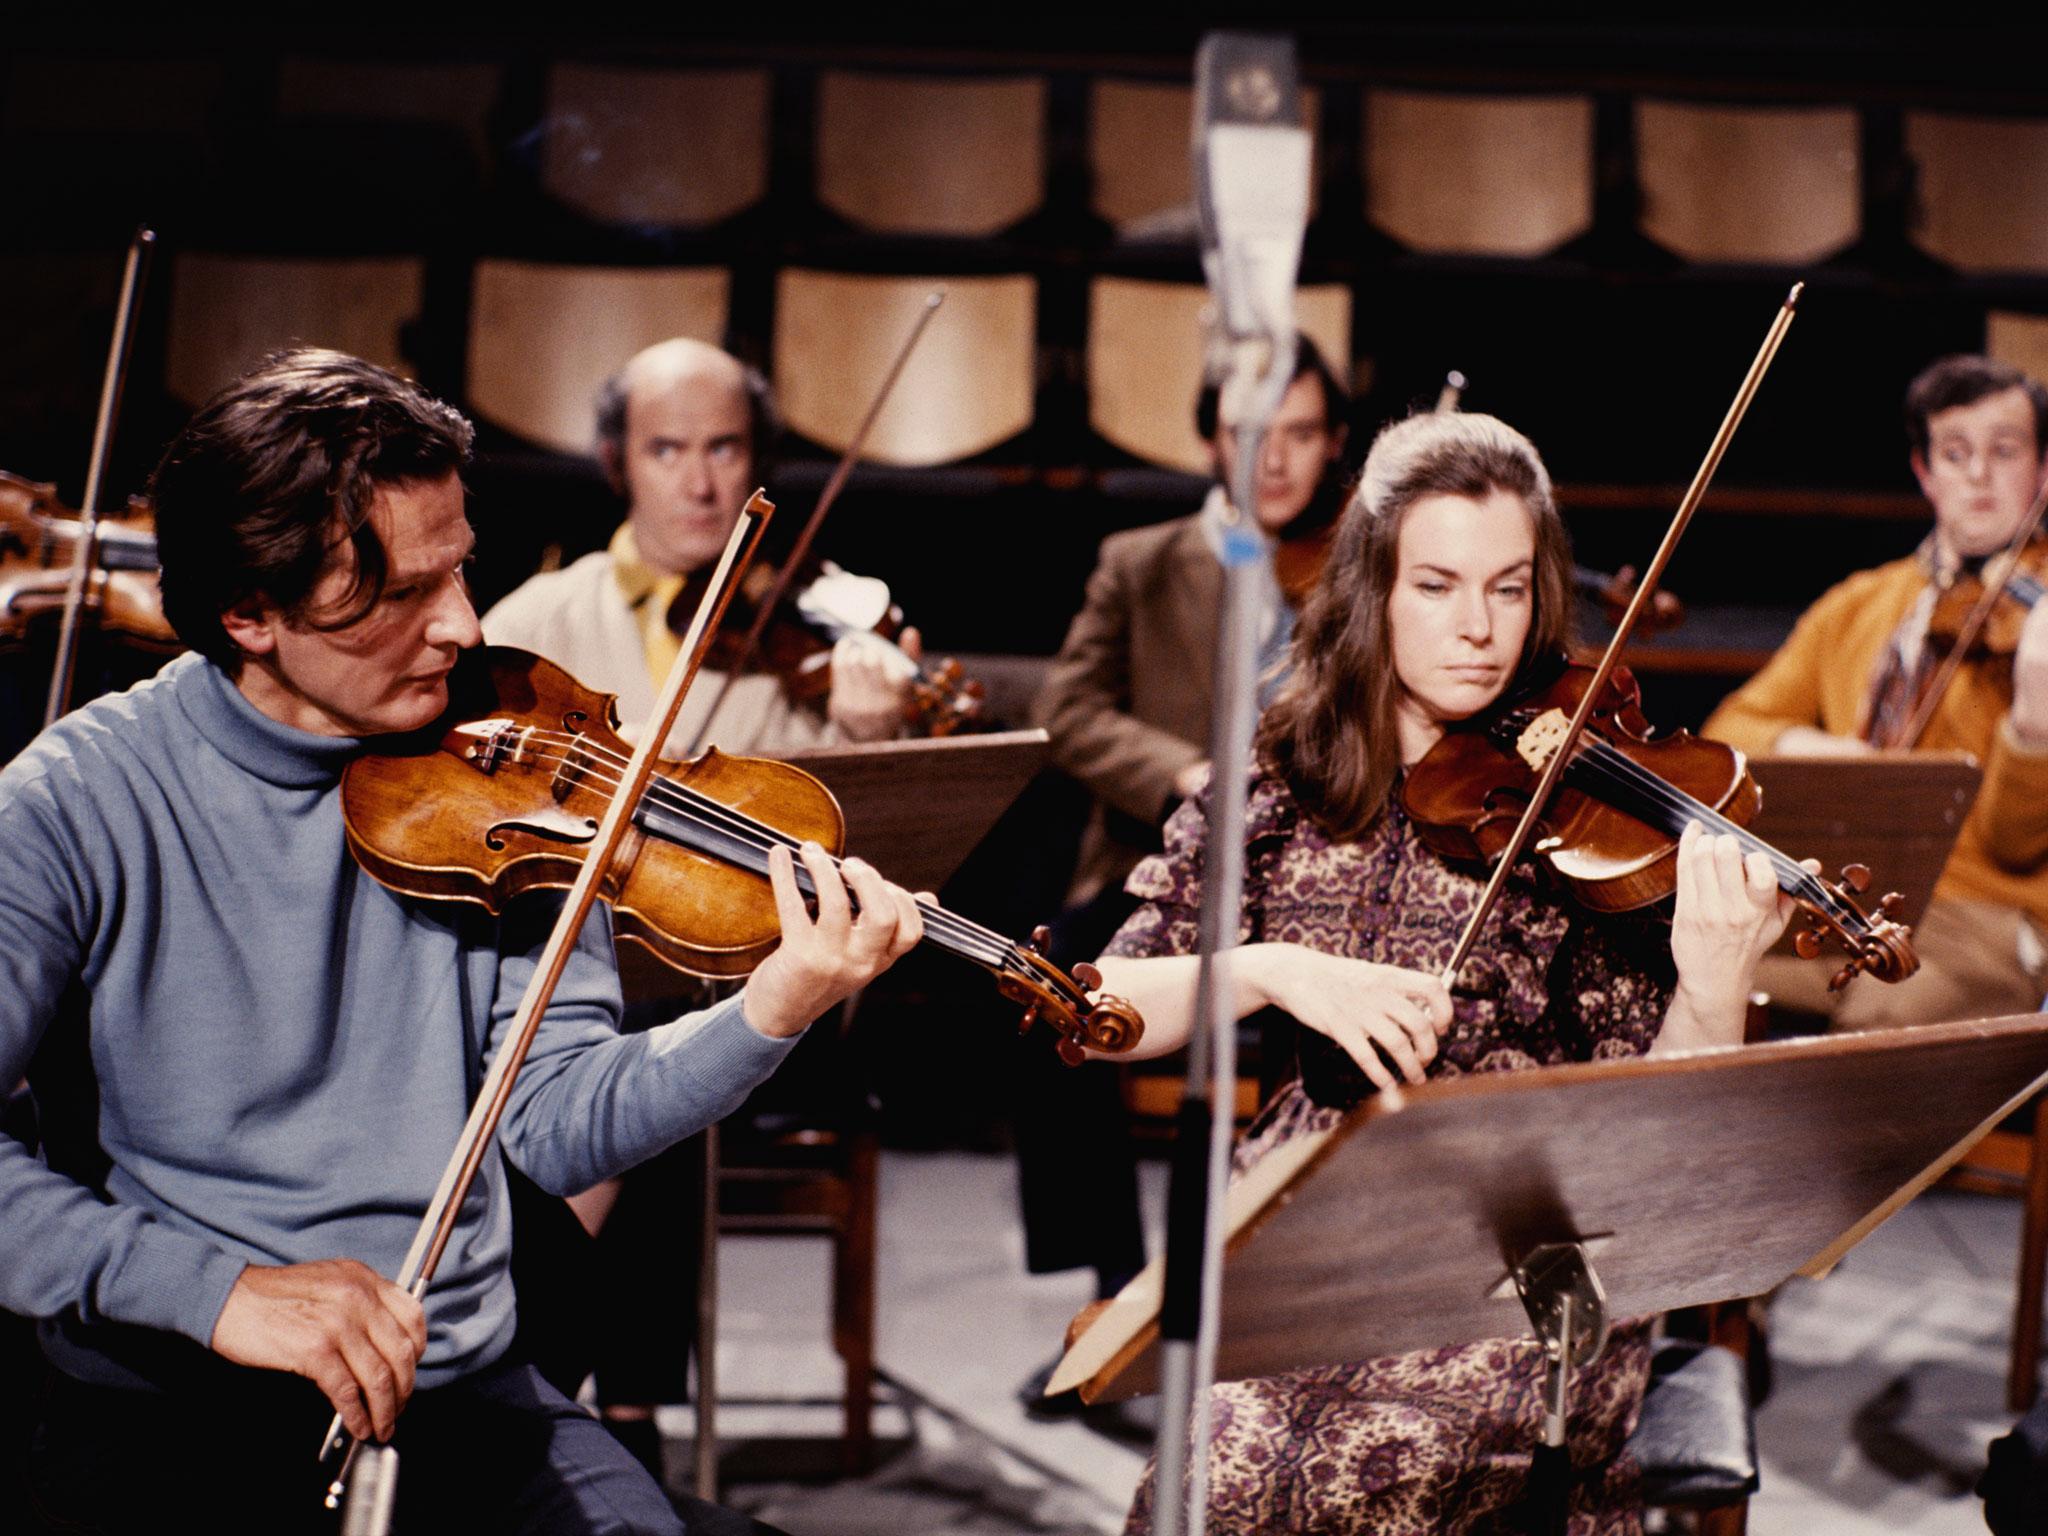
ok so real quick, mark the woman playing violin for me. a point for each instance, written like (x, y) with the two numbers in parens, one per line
(1448, 586)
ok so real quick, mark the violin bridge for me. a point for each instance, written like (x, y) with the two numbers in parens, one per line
(1540, 740)
(488, 745)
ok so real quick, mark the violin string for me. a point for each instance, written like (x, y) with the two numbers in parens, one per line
(1607, 761)
(693, 805)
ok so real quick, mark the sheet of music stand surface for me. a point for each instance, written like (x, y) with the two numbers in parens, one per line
(1898, 812)
(1693, 1178)
(916, 809)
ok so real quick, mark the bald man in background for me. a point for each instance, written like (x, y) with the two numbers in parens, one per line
(681, 431)
(680, 434)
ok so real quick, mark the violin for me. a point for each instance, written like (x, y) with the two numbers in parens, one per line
(506, 791)
(1612, 828)
(822, 604)
(1615, 590)
(38, 539)
(1999, 634)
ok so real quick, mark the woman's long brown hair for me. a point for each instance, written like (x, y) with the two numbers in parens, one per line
(1331, 734)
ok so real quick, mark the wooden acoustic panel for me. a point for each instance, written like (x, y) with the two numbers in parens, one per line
(661, 147)
(1139, 161)
(1747, 184)
(542, 338)
(914, 154)
(1982, 183)
(2021, 340)
(227, 312)
(1492, 175)
(1145, 361)
(968, 386)
(458, 94)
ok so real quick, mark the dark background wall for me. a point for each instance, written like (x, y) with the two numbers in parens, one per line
(389, 137)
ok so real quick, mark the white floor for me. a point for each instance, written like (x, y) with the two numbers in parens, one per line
(1889, 1373)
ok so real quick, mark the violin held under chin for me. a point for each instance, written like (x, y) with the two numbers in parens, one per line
(505, 792)
(822, 605)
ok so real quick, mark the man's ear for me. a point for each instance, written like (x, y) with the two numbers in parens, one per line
(609, 460)
(252, 625)
(1919, 462)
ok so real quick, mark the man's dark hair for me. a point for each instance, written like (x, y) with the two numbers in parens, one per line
(275, 473)
(1308, 359)
(1964, 379)
(764, 423)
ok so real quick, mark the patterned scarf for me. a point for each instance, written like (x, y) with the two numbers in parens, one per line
(1907, 663)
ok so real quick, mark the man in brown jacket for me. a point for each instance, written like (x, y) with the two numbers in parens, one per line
(1127, 699)
(1854, 669)
(1127, 704)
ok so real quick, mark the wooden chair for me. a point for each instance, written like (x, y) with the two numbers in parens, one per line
(673, 148)
(969, 385)
(1980, 181)
(2021, 340)
(928, 155)
(543, 337)
(1748, 184)
(818, 1182)
(1145, 361)
(1489, 175)
(227, 311)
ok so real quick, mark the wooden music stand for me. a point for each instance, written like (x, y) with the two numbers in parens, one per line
(916, 809)
(1897, 812)
(1683, 1180)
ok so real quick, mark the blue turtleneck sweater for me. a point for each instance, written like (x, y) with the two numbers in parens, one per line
(284, 1052)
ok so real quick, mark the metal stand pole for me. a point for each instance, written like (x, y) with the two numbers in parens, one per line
(1568, 1309)
(705, 1477)
(1192, 1302)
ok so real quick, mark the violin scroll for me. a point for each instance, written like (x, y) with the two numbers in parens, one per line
(1880, 945)
(1084, 1017)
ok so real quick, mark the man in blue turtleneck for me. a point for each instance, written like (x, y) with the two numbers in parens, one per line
(251, 1061)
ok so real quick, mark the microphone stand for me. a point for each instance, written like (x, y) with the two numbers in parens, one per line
(1251, 185)
(1191, 1304)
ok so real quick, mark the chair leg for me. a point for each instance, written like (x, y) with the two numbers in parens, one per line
(853, 1300)
(2023, 1382)
(1728, 1520)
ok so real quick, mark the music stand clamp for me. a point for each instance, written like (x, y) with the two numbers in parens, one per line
(1567, 1307)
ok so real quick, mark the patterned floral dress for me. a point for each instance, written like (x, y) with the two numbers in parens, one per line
(1436, 1440)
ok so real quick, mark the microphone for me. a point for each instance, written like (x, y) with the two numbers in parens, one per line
(1251, 173)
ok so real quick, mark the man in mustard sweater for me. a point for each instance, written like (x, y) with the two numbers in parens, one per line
(1855, 666)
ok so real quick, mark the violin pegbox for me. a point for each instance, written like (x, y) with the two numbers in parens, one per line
(1084, 1018)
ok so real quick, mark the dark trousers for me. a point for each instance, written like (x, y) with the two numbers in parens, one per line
(500, 1451)
(1077, 1173)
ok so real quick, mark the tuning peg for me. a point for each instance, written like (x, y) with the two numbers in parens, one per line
(1844, 976)
(1891, 906)
(1087, 976)
(1856, 877)
(1071, 1052)
(1806, 944)
(1041, 937)
(1030, 1018)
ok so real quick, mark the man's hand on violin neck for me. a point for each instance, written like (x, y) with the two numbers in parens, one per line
(868, 694)
(340, 1324)
(823, 960)
(2030, 681)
